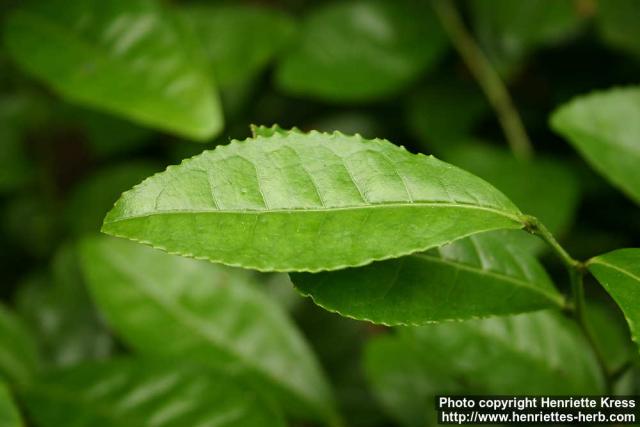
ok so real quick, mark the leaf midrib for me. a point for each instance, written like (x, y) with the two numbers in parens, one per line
(516, 217)
(614, 267)
(498, 276)
(192, 323)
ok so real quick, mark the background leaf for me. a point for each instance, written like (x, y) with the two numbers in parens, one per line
(58, 310)
(19, 359)
(605, 128)
(474, 277)
(308, 202)
(528, 354)
(617, 21)
(619, 273)
(9, 415)
(361, 49)
(144, 393)
(90, 52)
(180, 308)
(239, 40)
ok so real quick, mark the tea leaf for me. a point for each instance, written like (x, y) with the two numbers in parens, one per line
(617, 22)
(528, 354)
(175, 307)
(619, 273)
(9, 415)
(360, 50)
(19, 359)
(126, 57)
(478, 276)
(144, 393)
(308, 202)
(605, 128)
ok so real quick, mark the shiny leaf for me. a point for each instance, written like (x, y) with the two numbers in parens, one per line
(605, 128)
(176, 307)
(126, 57)
(362, 49)
(530, 354)
(308, 202)
(474, 277)
(619, 273)
(142, 393)
(19, 358)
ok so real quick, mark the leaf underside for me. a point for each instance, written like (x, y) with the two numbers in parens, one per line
(308, 202)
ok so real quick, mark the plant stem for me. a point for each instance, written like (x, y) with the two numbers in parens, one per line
(576, 270)
(487, 77)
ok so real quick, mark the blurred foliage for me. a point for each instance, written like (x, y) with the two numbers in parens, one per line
(97, 95)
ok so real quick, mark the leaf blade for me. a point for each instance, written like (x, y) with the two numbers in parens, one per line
(72, 47)
(619, 273)
(604, 127)
(473, 277)
(208, 314)
(308, 202)
(141, 392)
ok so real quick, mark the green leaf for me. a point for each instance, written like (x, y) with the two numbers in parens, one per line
(509, 30)
(175, 307)
(129, 58)
(19, 358)
(308, 202)
(619, 273)
(605, 128)
(96, 195)
(617, 24)
(361, 50)
(58, 310)
(9, 415)
(530, 354)
(14, 165)
(239, 40)
(144, 393)
(527, 184)
(474, 277)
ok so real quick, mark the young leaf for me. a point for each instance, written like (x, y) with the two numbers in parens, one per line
(144, 393)
(605, 128)
(362, 49)
(474, 277)
(539, 353)
(19, 359)
(126, 57)
(9, 415)
(308, 202)
(239, 40)
(175, 307)
(619, 273)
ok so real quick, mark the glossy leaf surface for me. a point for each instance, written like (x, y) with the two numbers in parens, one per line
(474, 277)
(126, 57)
(605, 128)
(9, 415)
(619, 273)
(238, 41)
(528, 354)
(144, 393)
(181, 308)
(308, 202)
(18, 353)
(362, 49)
